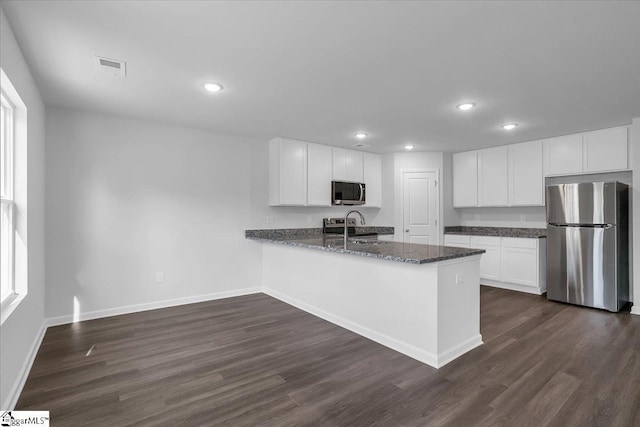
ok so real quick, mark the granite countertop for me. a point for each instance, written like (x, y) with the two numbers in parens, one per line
(532, 233)
(367, 247)
(278, 233)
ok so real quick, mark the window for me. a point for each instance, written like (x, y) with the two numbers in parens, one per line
(13, 199)
(7, 230)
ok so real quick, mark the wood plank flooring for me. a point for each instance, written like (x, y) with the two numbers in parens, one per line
(254, 360)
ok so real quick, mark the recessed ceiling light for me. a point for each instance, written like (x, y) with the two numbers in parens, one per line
(361, 145)
(510, 126)
(466, 106)
(212, 87)
(409, 147)
(361, 135)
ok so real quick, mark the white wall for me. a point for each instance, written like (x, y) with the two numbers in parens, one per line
(129, 198)
(306, 217)
(20, 331)
(527, 217)
(635, 200)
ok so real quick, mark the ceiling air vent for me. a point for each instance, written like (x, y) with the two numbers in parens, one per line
(111, 66)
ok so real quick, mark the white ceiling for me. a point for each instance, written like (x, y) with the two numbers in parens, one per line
(320, 71)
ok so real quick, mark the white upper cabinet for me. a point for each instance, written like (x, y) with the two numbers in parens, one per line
(319, 173)
(513, 175)
(526, 180)
(287, 172)
(465, 179)
(373, 179)
(300, 172)
(563, 155)
(492, 176)
(590, 152)
(605, 150)
(347, 165)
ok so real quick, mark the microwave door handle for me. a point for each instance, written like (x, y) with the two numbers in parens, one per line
(361, 192)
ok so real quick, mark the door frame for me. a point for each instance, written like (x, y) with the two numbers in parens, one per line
(439, 200)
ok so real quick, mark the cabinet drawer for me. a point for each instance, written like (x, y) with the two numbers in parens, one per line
(485, 241)
(514, 242)
(456, 239)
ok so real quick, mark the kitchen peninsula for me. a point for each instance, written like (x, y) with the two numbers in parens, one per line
(420, 300)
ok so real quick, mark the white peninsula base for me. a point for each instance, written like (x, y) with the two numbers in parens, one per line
(430, 312)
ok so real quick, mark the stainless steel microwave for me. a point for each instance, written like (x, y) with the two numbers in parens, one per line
(347, 193)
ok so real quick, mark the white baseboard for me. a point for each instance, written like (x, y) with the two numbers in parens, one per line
(400, 346)
(635, 309)
(535, 290)
(457, 351)
(12, 399)
(62, 320)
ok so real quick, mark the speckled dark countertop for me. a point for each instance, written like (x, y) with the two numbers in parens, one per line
(366, 247)
(279, 233)
(531, 233)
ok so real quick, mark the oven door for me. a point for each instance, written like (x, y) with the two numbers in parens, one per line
(348, 193)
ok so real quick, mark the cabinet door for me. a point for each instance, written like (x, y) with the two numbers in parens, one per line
(563, 155)
(293, 172)
(605, 150)
(465, 179)
(373, 179)
(519, 261)
(526, 180)
(347, 165)
(339, 156)
(492, 176)
(354, 166)
(490, 260)
(457, 240)
(319, 174)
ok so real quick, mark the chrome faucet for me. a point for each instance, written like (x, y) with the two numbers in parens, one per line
(346, 233)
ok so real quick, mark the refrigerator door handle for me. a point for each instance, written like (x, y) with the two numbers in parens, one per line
(605, 226)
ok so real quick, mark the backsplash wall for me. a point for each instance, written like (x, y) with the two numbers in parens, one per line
(526, 217)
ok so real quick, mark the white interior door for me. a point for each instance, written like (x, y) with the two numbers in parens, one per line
(420, 208)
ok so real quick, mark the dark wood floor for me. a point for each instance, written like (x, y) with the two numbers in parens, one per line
(254, 360)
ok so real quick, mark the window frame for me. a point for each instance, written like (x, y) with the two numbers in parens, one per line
(11, 197)
(7, 191)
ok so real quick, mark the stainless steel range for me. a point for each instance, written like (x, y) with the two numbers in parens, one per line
(336, 226)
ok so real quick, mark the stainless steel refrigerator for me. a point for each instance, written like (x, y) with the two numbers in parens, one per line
(588, 244)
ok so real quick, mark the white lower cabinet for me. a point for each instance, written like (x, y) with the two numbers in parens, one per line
(520, 264)
(457, 241)
(512, 263)
(490, 261)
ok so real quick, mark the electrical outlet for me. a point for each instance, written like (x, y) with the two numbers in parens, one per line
(459, 278)
(269, 219)
(309, 220)
(160, 277)
(523, 218)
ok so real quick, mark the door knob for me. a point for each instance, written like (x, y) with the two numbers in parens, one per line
(406, 231)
